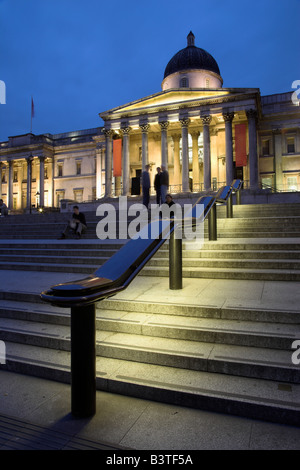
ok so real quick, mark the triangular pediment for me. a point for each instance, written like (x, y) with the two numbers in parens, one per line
(168, 98)
(174, 98)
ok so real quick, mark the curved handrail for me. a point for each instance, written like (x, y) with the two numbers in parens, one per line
(117, 273)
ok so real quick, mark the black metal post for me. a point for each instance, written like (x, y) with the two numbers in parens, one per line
(229, 207)
(238, 197)
(83, 361)
(175, 262)
(212, 223)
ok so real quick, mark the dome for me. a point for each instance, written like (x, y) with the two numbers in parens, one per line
(192, 67)
(191, 58)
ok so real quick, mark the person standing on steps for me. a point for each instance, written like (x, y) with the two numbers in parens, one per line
(146, 186)
(157, 186)
(164, 183)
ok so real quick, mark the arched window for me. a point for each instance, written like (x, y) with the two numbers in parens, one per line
(184, 83)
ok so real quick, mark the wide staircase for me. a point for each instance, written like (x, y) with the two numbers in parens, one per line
(233, 360)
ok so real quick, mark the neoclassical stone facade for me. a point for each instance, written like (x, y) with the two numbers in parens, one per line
(205, 135)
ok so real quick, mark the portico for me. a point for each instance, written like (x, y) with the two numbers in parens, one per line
(191, 132)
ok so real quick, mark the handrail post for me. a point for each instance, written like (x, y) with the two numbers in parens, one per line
(238, 197)
(175, 262)
(229, 207)
(212, 223)
(83, 361)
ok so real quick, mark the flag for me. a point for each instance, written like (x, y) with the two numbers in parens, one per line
(117, 157)
(240, 145)
(32, 108)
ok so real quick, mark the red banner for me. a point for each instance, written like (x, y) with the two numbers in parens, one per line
(240, 145)
(117, 157)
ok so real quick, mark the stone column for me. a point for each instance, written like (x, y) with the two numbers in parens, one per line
(164, 143)
(144, 128)
(185, 155)
(177, 169)
(253, 159)
(42, 180)
(29, 168)
(99, 149)
(108, 162)
(125, 161)
(278, 159)
(228, 118)
(196, 168)
(10, 184)
(206, 120)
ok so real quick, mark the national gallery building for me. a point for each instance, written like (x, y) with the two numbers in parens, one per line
(204, 134)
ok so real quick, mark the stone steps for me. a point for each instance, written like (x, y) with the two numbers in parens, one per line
(205, 357)
(230, 360)
(237, 259)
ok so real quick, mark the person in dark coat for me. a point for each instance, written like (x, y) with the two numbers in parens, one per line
(157, 186)
(146, 186)
(164, 183)
(3, 208)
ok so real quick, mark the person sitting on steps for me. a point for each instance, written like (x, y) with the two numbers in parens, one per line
(77, 224)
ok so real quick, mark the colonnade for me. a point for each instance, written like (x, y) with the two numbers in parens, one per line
(10, 181)
(183, 169)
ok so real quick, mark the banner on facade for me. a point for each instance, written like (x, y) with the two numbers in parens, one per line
(240, 145)
(117, 157)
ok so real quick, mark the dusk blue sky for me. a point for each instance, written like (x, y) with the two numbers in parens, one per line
(79, 58)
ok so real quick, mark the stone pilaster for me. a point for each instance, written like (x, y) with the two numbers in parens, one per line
(42, 180)
(10, 184)
(29, 173)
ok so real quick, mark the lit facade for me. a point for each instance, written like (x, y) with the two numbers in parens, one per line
(206, 135)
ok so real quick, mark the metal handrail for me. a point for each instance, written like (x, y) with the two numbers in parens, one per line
(108, 280)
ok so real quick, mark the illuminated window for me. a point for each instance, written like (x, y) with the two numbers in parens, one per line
(266, 147)
(290, 144)
(207, 83)
(292, 183)
(60, 194)
(184, 83)
(59, 169)
(78, 168)
(78, 195)
(15, 176)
